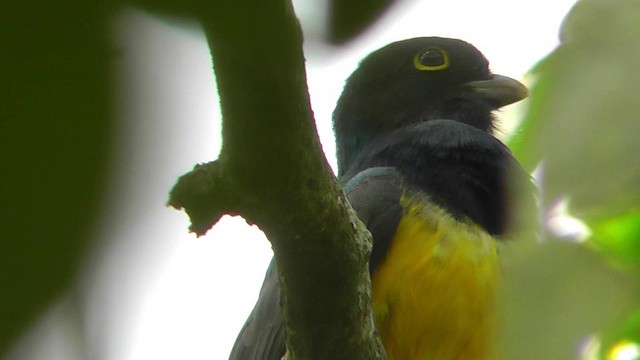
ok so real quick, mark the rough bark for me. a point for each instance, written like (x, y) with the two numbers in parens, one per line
(271, 171)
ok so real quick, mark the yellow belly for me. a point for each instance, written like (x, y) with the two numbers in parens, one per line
(434, 294)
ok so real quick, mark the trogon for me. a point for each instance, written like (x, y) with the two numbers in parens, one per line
(420, 165)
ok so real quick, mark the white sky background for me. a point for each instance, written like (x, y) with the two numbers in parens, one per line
(157, 292)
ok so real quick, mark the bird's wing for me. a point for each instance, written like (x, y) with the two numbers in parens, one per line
(375, 194)
(262, 336)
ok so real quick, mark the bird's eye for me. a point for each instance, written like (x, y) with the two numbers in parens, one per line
(431, 59)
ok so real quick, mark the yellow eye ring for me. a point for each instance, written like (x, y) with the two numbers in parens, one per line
(432, 58)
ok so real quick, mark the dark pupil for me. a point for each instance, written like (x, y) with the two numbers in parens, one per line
(432, 57)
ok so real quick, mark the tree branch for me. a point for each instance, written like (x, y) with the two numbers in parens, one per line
(271, 170)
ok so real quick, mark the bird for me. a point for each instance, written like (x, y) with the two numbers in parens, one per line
(420, 164)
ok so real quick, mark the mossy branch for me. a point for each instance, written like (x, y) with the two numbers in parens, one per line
(271, 171)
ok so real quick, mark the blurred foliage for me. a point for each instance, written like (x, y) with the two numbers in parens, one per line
(623, 335)
(583, 118)
(348, 18)
(618, 238)
(582, 129)
(55, 105)
(557, 294)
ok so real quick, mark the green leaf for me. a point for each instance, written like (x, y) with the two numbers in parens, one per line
(556, 294)
(582, 131)
(623, 339)
(583, 122)
(55, 131)
(619, 239)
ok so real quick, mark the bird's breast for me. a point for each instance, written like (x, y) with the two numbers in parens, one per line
(435, 291)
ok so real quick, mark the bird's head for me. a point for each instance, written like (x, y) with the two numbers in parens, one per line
(418, 80)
